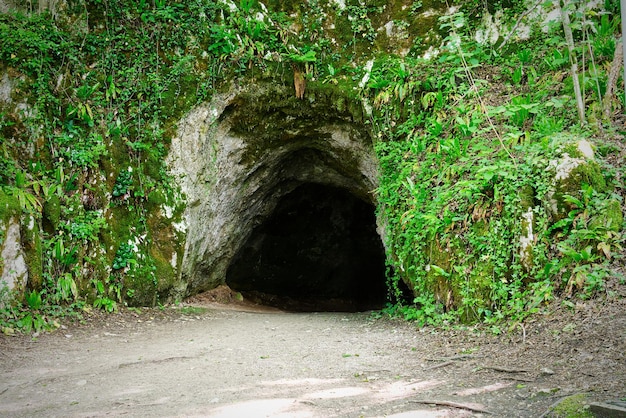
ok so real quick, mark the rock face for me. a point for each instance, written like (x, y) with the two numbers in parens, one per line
(14, 269)
(236, 157)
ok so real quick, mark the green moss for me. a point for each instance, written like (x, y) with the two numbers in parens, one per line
(527, 197)
(153, 164)
(478, 290)
(588, 173)
(120, 220)
(31, 244)
(571, 149)
(161, 277)
(153, 281)
(153, 277)
(271, 116)
(480, 227)
(179, 97)
(52, 211)
(144, 292)
(118, 160)
(156, 198)
(165, 274)
(438, 275)
(575, 406)
(462, 291)
(193, 310)
(9, 206)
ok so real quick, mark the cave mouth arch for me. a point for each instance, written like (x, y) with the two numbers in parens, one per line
(317, 251)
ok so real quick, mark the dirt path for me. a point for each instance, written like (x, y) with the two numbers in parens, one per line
(232, 363)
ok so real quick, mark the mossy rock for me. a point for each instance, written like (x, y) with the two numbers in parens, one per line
(575, 406)
(153, 164)
(588, 173)
(165, 252)
(527, 197)
(153, 282)
(52, 211)
(480, 283)
(31, 245)
(121, 219)
(179, 97)
(440, 280)
(9, 206)
(449, 286)
(156, 198)
(144, 292)
(270, 117)
(98, 268)
(165, 274)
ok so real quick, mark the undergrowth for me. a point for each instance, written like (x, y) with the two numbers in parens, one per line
(97, 92)
(469, 147)
(468, 144)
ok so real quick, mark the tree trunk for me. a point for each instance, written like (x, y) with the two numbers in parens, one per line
(611, 83)
(569, 39)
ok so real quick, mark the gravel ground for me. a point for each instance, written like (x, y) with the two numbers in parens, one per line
(236, 359)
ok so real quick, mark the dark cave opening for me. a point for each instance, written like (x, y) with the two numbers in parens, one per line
(318, 251)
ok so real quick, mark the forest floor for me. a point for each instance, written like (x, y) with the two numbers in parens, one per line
(210, 359)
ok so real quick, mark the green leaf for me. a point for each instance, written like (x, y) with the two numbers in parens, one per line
(308, 57)
(20, 179)
(33, 299)
(439, 270)
(573, 200)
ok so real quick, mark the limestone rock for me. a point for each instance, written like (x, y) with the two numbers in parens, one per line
(235, 157)
(14, 269)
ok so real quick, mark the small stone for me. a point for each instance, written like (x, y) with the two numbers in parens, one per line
(546, 371)
(81, 382)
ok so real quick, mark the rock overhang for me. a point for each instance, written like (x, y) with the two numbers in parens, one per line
(235, 157)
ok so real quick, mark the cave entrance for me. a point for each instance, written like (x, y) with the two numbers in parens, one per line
(317, 251)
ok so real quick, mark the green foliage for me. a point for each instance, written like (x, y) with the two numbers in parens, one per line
(416, 6)
(249, 35)
(461, 165)
(124, 257)
(99, 99)
(33, 300)
(192, 310)
(361, 24)
(589, 241)
(123, 183)
(60, 270)
(105, 292)
(80, 151)
(108, 97)
(303, 58)
(86, 227)
(461, 183)
(34, 315)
